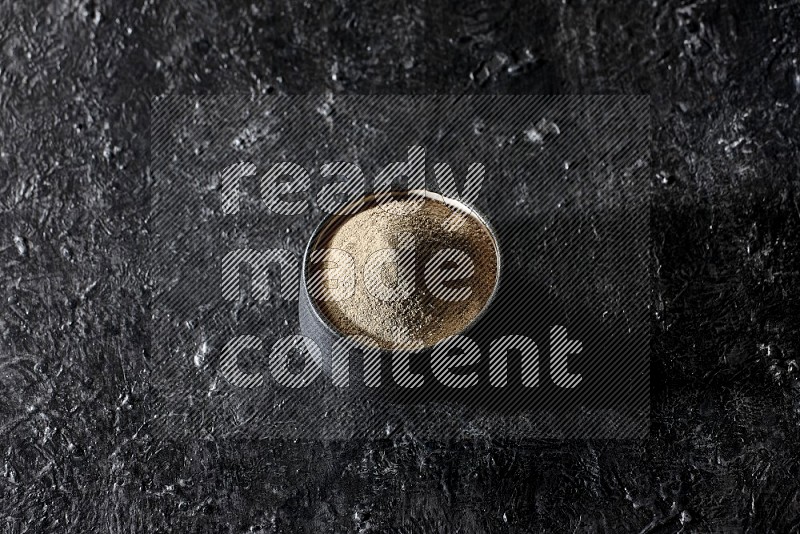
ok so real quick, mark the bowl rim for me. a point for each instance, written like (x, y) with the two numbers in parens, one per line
(365, 201)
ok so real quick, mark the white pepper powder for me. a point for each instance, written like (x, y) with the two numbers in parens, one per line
(421, 318)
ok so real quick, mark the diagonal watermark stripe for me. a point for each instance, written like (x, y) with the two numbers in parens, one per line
(241, 183)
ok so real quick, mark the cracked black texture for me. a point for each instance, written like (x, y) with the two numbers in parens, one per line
(724, 448)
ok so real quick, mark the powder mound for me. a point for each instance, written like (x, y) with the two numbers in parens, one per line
(423, 315)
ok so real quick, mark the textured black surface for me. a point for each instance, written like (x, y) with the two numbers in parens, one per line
(724, 448)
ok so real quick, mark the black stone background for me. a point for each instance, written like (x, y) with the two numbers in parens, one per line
(724, 446)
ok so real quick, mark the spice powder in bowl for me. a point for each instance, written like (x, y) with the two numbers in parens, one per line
(417, 278)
